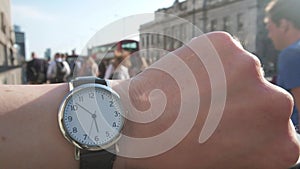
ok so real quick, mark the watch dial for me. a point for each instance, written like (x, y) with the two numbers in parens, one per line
(93, 117)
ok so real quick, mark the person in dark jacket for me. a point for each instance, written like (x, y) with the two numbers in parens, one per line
(36, 70)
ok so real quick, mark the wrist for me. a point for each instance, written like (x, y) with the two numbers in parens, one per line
(132, 94)
(142, 98)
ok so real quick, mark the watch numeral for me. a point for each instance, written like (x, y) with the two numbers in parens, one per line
(80, 98)
(70, 118)
(74, 130)
(102, 97)
(111, 104)
(74, 107)
(114, 124)
(85, 136)
(116, 114)
(91, 95)
(107, 134)
(96, 138)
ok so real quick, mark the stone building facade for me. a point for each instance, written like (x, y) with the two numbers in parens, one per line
(10, 69)
(179, 23)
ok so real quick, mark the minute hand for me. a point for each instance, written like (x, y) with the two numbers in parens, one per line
(85, 109)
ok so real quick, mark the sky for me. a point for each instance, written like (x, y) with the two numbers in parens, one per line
(63, 25)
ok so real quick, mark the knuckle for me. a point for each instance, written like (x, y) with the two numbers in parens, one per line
(282, 103)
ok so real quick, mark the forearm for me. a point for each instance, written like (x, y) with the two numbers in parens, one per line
(155, 100)
(29, 133)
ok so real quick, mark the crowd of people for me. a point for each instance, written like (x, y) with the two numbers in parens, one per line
(36, 70)
(39, 71)
(64, 67)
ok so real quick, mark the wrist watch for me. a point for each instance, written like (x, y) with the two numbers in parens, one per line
(91, 117)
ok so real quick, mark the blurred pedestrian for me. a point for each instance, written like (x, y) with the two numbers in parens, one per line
(88, 67)
(36, 70)
(118, 68)
(102, 66)
(72, 59)
(66, 65)
(283, 24)
(58, 70)
(138, 64)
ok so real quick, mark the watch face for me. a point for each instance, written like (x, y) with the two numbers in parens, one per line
(91, 117)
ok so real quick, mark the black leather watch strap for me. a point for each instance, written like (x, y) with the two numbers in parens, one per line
(101, 159)
(96, 159)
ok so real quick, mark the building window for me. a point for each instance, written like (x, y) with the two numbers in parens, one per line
(175, 32)
(2, 22)
(240, 22)
(11, 57)
(158, 38)
(226, 24)
(153, 39)
(213, 25)
(143, 41)
(147, 40)
(168, 40)
(161, 39)
(183, 32)
(177, 41)
(2, 55)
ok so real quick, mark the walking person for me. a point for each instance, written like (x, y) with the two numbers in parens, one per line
(88, 67)
(118, 68)
(36, 70)
(102, 66)
(283, 24)
(58, 70)
(66, 66)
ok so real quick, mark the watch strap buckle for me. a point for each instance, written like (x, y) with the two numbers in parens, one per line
(77, 153)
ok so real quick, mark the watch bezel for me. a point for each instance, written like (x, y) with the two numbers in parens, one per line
(61, 115)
